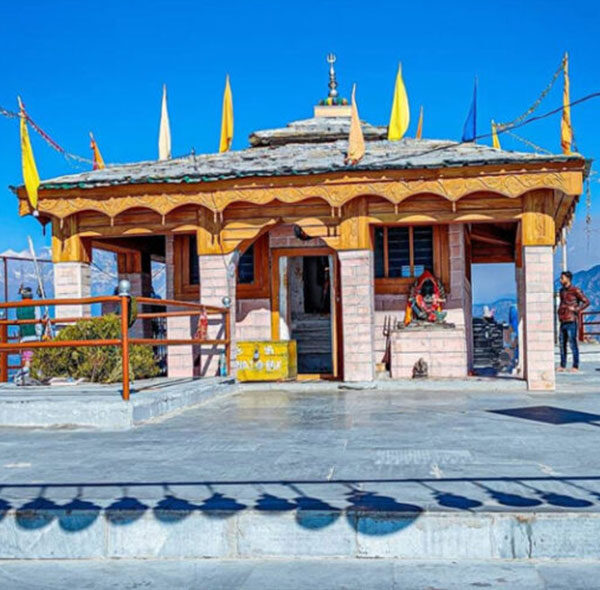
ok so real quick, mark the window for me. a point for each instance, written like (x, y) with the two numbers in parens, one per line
(253, 271)
(246, 267)
(405, 252)
(186, 272)
(193, 265)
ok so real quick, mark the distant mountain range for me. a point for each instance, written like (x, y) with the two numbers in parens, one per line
(104, 274)
(587, 280)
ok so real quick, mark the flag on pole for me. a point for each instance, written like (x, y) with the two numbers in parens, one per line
(400, 115)
(31, 177)
(566, 131)
(98, 159)
(419, 133)
(226, 119)
(356, 141)
(495, 140)
(164, 133)
(470, 128)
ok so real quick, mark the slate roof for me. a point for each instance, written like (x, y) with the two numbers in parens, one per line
(305, 147)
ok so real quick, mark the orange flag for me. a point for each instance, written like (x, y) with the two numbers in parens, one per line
(419, 134)
(98, 160)
(356, 141)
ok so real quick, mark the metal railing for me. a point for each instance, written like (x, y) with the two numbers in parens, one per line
(123, 301)
(587, 327)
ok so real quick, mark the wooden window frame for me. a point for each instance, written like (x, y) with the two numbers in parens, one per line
(183, 288)
(441, 260)
(259, 288)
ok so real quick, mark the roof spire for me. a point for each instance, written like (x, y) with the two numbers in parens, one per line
(333, 105)
(332, 81)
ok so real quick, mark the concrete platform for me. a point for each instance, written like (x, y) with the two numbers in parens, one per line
(469, 470)
(92, 405)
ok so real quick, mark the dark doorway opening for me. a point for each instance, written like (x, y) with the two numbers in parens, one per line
(310, 313)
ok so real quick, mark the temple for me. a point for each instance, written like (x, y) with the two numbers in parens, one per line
(307, 247)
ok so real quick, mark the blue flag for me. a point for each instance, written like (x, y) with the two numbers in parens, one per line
(470, 128)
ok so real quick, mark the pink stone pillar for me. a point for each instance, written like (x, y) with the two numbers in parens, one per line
(538, 321)
(358, 314)
(459, 304)
(217, 280)
(72, 280)
(180, 358)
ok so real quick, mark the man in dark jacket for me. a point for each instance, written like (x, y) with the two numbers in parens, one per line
(572, 303)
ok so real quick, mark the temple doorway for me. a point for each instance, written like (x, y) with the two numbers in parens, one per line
(305, 309)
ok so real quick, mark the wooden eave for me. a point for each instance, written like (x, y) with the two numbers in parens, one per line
(335, 188)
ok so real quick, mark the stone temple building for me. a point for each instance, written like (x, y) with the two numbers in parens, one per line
(310, 248)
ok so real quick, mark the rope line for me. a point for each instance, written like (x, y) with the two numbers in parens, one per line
(538, 101)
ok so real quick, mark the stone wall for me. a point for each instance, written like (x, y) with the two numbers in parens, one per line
(443, 349)
(217, 280)
(253, 319)
(358, 314)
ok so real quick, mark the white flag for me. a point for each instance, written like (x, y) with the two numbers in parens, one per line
(164, 135)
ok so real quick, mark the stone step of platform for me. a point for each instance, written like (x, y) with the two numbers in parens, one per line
(99, 406)
(177, 529)
(284, 574)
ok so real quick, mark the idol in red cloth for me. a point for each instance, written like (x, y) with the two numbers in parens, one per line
(425, 300)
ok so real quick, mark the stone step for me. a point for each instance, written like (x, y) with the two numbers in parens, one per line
(293, 574)
(178, 529)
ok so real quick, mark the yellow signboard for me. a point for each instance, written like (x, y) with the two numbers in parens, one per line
(273, 360)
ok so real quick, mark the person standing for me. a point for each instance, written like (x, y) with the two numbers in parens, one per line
(572, 303)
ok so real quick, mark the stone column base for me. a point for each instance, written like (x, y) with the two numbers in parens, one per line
(72, 280)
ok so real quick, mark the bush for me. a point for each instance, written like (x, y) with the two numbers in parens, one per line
(99, 364)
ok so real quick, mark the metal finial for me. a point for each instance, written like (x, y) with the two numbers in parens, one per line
(332, 81)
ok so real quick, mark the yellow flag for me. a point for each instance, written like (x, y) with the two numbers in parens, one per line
(30, 173)
(226, 119)
(98, 159)
(400, 116)
(495, 140)
(419, 134)
(356, 141)
(566, 131)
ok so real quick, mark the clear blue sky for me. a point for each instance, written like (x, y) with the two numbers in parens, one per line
(100, 66)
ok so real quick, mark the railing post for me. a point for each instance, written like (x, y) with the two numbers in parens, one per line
(581, 328)
(227, 319)
(125, 344)
(3, 355)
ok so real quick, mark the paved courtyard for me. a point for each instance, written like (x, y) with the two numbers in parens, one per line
(481, 444)
(321, 454)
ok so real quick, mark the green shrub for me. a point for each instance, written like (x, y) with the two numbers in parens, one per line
(99, 364)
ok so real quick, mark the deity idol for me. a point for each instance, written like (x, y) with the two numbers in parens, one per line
(425, 301)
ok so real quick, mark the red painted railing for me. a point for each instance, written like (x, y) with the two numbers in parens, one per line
(589, 327)
(8, 345)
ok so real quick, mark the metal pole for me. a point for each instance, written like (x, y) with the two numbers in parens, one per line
(564, 249)
(4, 259)
(3, 355)
(125, 344)
(227, 318)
